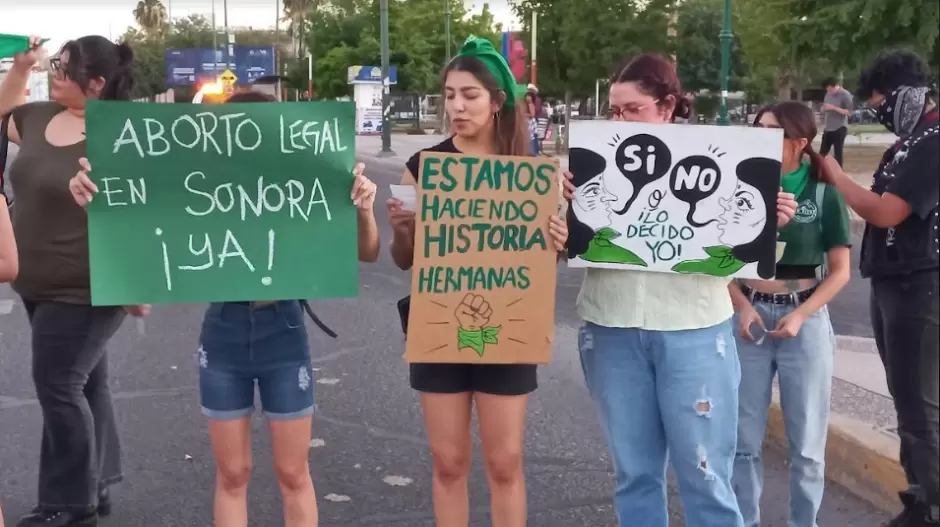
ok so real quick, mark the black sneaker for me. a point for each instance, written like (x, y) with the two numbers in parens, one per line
(104, 502)
(915, 514)
(59, 519)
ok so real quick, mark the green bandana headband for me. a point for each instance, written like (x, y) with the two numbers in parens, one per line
(483, 50)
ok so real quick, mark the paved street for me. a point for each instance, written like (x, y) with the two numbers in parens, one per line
(369, 460)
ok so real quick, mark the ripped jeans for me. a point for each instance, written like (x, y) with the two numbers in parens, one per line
(803, 366)
(663, 394)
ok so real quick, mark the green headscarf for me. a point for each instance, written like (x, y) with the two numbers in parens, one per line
(483, 50)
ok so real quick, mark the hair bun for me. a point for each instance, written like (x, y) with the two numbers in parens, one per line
(125, 54)
(683, 108)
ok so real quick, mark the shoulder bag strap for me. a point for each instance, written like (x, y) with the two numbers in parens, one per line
(4, 147)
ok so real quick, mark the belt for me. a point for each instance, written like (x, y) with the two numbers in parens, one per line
(780, 299)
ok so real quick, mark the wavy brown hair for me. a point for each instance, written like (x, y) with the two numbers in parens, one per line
(511, 136)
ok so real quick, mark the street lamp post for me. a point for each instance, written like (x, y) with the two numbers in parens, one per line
(386, 84)
(725, 38)
(446, 31)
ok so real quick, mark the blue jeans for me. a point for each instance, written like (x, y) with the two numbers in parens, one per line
(242, 344)
(664, 394)
(803, 365)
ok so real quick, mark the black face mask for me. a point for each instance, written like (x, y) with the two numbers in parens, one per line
(902, 109)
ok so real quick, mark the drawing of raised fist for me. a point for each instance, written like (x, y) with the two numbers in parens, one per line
(473, 313)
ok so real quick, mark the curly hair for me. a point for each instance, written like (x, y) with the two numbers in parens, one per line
(892, 69)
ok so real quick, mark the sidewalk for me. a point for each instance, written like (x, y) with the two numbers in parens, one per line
(863, 446)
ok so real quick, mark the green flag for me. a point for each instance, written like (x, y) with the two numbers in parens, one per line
(12, 44)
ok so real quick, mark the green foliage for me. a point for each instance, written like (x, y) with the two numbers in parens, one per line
(344, 33)
(581, 42)
(698, 50)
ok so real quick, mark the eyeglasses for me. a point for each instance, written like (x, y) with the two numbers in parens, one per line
(629, 110)
(58, 68)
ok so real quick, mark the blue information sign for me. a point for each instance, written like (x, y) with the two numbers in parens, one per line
(189, 66)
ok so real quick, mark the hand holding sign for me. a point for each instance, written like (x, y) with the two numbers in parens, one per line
(81, 186)
(363, 190)
(694, 179)
(642, 159)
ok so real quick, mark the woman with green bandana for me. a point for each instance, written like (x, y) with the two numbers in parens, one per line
(783, 326)
(487, 118)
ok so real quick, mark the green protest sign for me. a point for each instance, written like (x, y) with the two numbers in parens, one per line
(230, 202)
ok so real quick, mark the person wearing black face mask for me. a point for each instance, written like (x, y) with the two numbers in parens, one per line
(901, 256)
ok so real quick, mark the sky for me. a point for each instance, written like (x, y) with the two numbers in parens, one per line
(61, 20)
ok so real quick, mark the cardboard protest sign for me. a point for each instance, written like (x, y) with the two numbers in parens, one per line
(230, 202)
(483, 281)
(674, 198)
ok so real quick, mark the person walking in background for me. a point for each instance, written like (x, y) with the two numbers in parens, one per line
(837, 106)
(80, 452)
(651, 341)
(482, 103)
(532, 113)
(783, 328)
(901, 256)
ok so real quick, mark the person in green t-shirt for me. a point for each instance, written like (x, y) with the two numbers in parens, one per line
(783, 325)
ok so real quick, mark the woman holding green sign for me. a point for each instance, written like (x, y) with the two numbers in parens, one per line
(80, 454)
(243, 343)
(485, 111)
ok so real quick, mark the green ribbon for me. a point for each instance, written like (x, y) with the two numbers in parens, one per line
(483, 50)
(720, 262)
(602, 250)
(13, 44)
(794, 182)
(477, 339)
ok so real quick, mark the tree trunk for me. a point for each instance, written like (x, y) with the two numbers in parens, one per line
(784, 84)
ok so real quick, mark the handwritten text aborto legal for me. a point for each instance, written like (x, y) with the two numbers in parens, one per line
(483, 280)
(230, 202)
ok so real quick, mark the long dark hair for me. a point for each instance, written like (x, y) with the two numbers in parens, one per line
(656, 76)
(512, 130)
(798, 122)
(754, 172)
(584, 165)
(93, 57)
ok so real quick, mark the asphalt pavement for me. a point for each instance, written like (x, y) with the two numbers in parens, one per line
(368, 458)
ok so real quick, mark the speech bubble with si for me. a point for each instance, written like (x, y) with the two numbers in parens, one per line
(642, 159)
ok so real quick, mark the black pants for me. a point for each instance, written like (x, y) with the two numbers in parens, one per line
(834, 140)
(80, 451)
(905, 315)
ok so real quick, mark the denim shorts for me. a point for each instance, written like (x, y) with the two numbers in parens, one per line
(243, 343)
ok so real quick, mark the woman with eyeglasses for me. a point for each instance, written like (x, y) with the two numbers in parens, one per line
(658, 352)
(80, 453)
(782, 326)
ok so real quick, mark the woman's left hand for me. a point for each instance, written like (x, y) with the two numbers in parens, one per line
(789, 326)
(559, 232)
(786, 208)
(363, 190)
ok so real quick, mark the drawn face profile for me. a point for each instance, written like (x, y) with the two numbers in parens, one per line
(591, 201)
(744, 216)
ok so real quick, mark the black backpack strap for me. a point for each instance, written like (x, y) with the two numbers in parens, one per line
(4, 147)
(316, 320)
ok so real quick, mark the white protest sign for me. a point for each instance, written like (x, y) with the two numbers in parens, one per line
(687, 199)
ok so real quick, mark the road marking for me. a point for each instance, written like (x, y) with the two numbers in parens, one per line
(317, 443)
(397, 481)
(337, 498)
(6, 306)
(327, 381)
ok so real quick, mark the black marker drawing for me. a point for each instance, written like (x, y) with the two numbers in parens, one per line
(642, 159)
(694, 179)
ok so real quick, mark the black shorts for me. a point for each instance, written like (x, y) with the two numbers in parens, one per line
(493, 379)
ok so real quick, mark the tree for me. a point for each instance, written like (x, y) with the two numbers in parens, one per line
(580, 42)
(343, 33)
(150, 16)
(698, 51)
